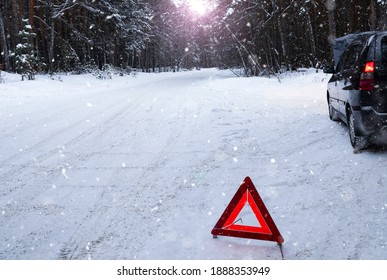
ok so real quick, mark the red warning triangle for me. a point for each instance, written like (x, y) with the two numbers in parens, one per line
(247, 194)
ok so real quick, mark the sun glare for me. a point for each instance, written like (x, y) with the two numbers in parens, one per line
(200, 7)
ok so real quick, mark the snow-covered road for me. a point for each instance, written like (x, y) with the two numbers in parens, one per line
(142, 168)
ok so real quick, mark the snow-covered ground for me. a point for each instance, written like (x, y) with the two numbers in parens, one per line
(143, 167)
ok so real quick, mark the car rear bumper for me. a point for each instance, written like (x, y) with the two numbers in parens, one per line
(369, 121)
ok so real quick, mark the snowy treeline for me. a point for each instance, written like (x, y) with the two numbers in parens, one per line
(157, 35)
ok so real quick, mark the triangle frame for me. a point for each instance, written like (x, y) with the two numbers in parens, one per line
(247, 194)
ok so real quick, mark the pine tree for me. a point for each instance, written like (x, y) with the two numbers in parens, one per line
(27, 62)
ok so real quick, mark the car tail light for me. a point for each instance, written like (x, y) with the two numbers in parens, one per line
(367, 81)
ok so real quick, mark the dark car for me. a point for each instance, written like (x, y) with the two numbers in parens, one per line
(357, 90)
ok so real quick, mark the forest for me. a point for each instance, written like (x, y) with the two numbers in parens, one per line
(259, 36)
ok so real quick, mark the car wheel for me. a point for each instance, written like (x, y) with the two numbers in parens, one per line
(358, 142)
(332, 111)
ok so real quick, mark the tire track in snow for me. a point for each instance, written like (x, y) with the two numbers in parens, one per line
(19, 170)
(90, 131)
(138, 202)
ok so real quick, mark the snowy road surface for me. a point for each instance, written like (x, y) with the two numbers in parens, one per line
(143, 167)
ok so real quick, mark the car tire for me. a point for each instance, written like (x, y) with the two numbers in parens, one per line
(332, 112)
(358, 142)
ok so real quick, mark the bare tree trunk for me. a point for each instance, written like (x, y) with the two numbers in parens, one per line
(311, 33)
(281, 30)
(21, 8)
(382, 22)
(373, 19)
(331, 6)
(16, 17)
(31, 13)
(4, 43)
(51, 59)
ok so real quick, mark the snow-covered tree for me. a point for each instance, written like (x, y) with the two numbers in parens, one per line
(259, 35)
(27, 61)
